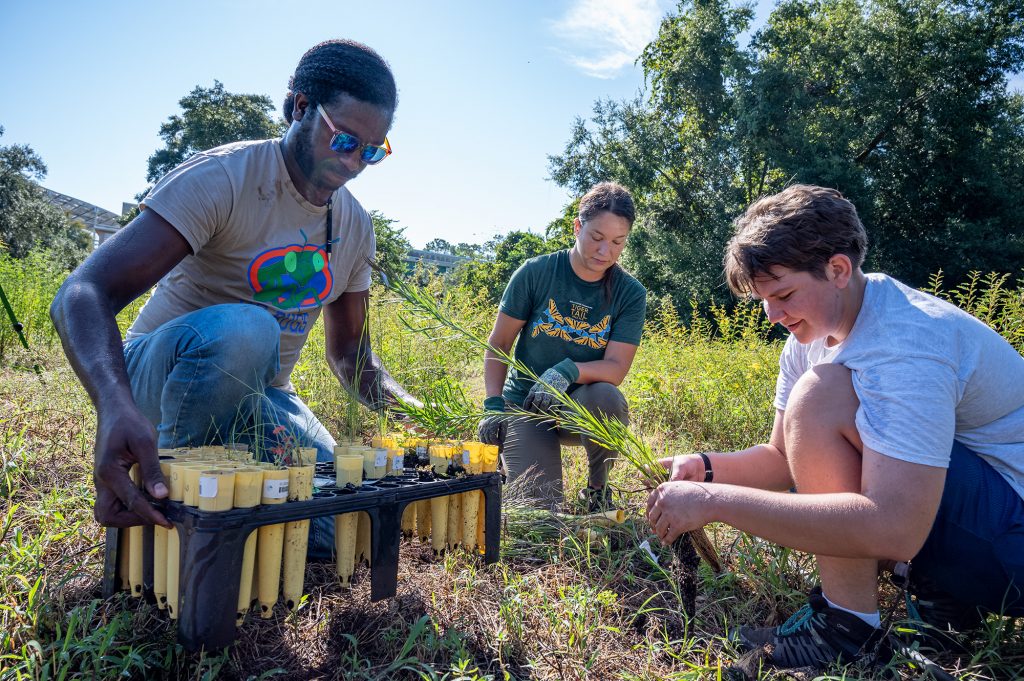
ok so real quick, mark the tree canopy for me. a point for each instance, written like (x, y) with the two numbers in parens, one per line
(392, 245)
(27, 219)
(209, 118)
(900, 104)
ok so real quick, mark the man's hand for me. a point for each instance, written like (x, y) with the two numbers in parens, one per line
(544, 392)
(492, 428)
(677, 507)
(122, 439)
(684, 467)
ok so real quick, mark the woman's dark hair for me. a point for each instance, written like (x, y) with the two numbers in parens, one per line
(337, 67)
(608, 197)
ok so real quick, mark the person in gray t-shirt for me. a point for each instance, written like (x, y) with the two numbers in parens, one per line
(246, 244)
(899, 422)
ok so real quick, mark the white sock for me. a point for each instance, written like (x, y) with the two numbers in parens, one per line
(872, 618)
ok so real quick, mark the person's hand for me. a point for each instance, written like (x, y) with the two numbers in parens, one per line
(677, 507)
(491, 430)
(684, 467)
(544, 392)
(125, 437)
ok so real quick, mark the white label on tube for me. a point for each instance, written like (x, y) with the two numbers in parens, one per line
(381, 458)
(465, 457)
(398, 462)
(275, 489)
(208, 487)
(421, 450)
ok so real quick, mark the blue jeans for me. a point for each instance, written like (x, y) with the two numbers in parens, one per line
(204, 378)
(975, 550)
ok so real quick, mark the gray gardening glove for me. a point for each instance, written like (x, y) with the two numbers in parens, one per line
(491, 430)
(555, 380)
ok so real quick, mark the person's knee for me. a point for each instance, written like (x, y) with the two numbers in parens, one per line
(245, 342)
(823, 396)
(603, 398)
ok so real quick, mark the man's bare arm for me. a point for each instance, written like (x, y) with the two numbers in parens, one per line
(351, 357)
(83, 312)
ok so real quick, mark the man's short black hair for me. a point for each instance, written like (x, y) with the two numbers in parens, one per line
(336, 67)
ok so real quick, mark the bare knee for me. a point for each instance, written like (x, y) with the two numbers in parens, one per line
(823, 395)
(822, 445)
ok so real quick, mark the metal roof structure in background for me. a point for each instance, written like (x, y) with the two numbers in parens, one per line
(100, 221)
(444, 262)
(82, 211)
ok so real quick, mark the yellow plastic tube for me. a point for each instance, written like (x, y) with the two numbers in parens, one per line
(349, 469)
(176, 486)
(423, 506)
(216, 489)
(471, 461)
(270, 541)
(423, 519)
(296, 535)
(191, 492)
(306, 456)
(396, 461)
(375, 463)
(179, 481)
(134, 548)
(340, 450)
(454, 521)
(160, 546)
(248, 490)
(439, 457)
(605, 518)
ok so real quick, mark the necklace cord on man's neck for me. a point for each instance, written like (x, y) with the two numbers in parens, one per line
(330, 226)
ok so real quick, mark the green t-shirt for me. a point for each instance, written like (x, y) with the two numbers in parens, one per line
(567, 317)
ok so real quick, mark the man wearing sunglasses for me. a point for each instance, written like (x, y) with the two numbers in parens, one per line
(246, 245)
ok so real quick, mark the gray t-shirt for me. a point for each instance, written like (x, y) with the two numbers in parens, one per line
(255, 239)
(926, 373)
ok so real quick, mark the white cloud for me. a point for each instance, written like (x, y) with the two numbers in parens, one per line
(601, 37)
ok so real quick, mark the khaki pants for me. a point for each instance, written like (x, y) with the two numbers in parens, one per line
(535, 446)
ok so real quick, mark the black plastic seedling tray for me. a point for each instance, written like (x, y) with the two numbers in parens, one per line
(212, 543)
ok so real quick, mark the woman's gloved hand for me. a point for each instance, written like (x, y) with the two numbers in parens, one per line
(491, 430)
(555, 380)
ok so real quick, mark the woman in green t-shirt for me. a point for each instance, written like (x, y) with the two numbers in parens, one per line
(575, 318)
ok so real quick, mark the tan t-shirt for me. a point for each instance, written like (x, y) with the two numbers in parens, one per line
(256, 240)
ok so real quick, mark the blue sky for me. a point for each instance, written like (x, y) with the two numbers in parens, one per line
(487, 91)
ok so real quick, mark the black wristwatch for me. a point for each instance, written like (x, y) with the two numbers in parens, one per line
(709, 474)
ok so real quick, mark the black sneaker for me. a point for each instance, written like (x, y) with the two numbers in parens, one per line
(939, 620)
(596, 500)
(817, 635)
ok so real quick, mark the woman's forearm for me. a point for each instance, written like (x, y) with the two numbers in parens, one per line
(495, 372)
(601, 371)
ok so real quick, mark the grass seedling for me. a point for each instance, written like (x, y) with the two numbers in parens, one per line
(446, 412)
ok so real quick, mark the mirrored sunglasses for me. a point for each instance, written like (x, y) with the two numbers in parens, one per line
(345, 143)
